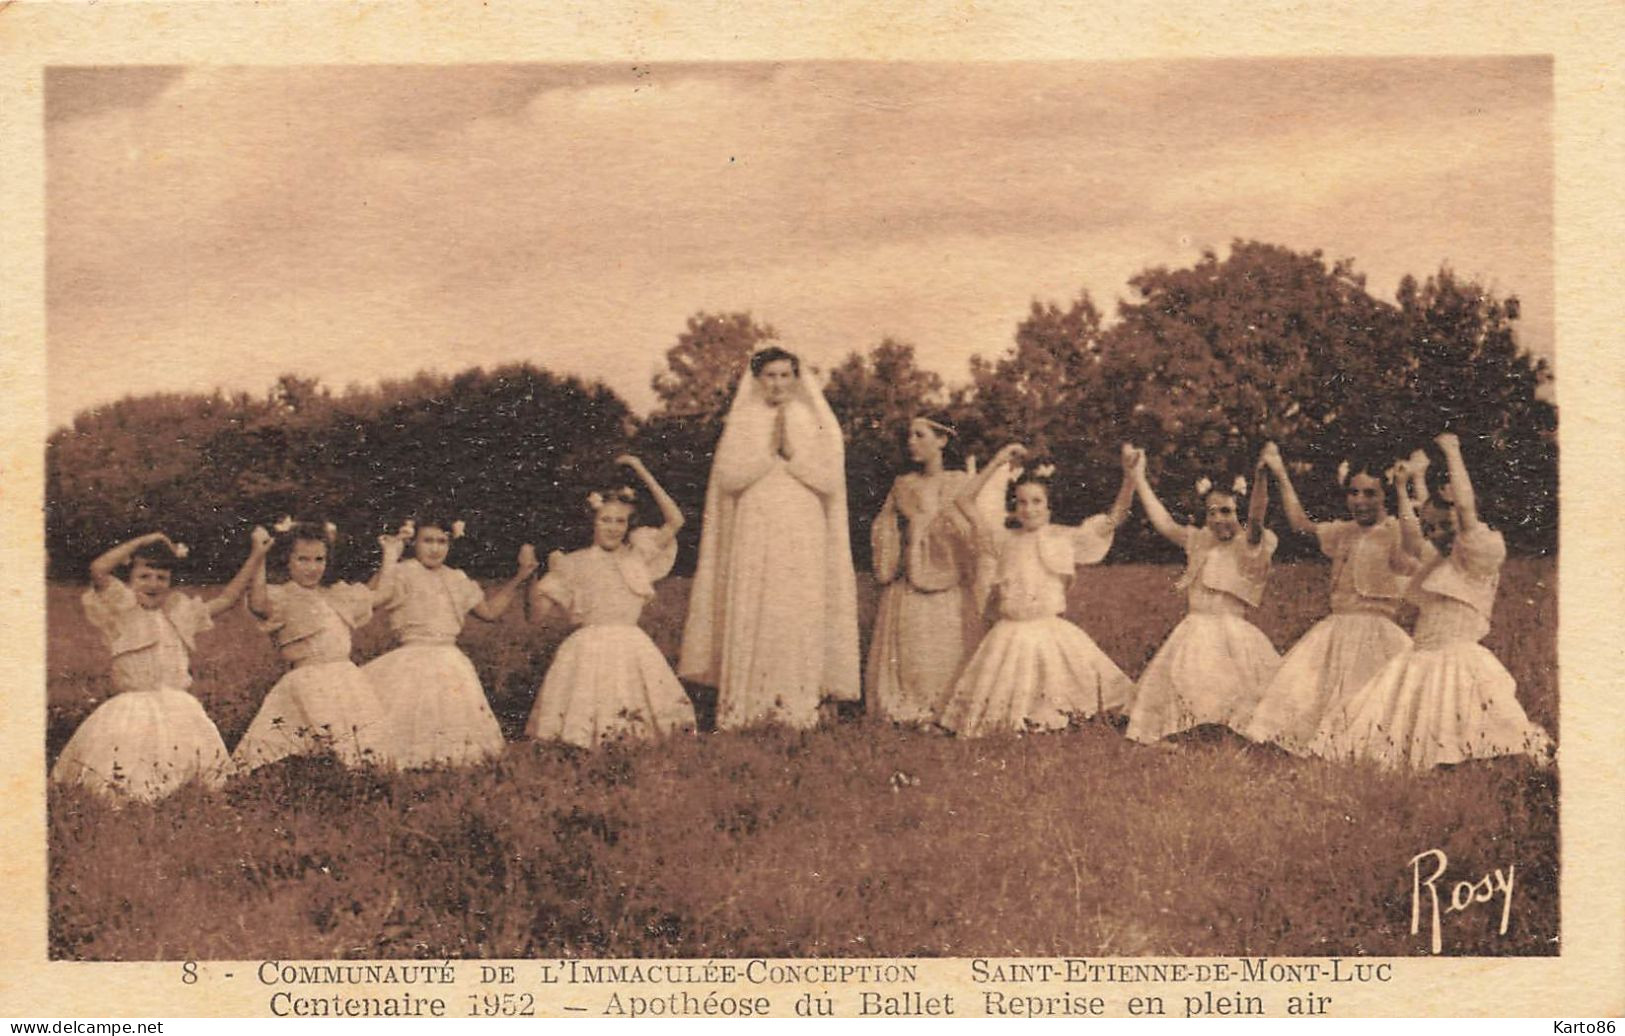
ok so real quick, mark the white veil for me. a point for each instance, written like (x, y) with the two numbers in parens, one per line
(743, 456)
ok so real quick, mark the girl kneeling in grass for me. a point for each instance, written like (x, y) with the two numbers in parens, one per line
(1034, 669)
(608, 680)
(323, 703)
(152, 736)
(1215, 664)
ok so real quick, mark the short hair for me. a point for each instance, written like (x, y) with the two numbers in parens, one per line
(155, 555)
(308, 532)
(772, 354)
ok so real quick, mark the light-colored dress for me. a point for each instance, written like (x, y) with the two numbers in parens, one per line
(1034, 670)
(1215, 664)
(772, 618)
(608, 680)
(152, 736)
(437, 708)
(927, 623)
(1336, 658)
(324, 703)
(1445, 699)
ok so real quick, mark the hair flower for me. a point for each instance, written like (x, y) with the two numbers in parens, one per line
(331, 530)
(409, 529)
(283, 524)
(1343, 473)
(595, 500)
(1204, 485)
(458, 527)
(626, 494)
(181, 550)
(1239, 486)
(1044, 471)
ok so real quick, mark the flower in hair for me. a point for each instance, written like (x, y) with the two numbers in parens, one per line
(409, 528)
(331, 531)
(625, 494)
(283, 524)
(1343, 473)
(458, 527)
(595, 500)
(1204, 485)
(181, 550)
(1044, 471)
(1239, 486)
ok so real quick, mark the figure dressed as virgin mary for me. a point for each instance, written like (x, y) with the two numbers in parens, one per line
(772, 618)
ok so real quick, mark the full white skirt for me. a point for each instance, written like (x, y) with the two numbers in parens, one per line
(1430, 706)
(330, 706)
(1033, 674)
(1322, 672)
(144, 745)
(609, 682)
(437, 709)
(1211, 669)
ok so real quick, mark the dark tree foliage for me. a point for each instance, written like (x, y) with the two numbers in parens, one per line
(1202, 366)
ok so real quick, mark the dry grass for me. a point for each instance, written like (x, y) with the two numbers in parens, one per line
(776, 843)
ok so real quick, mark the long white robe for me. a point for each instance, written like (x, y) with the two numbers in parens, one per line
(772, 616)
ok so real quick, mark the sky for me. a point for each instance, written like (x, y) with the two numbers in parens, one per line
(215, 227)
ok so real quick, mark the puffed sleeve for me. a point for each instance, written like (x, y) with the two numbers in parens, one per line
(353, 602)
(657, 557)
(276, 608)
(105, 607)
(1333, 536)
(886, 540)
(1479, 552)
(555, 584)
(464, 591)
(1092, 539)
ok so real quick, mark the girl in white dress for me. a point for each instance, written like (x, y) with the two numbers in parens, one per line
(323, 703)
(1215, 663)
(152, 736)
(772, 618)
(924, 547)
(1445, 699)
(437, 708)
(1335, 658)
(1035, 670)
(608, 680)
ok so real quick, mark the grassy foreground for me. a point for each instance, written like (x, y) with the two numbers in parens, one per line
(857, 840)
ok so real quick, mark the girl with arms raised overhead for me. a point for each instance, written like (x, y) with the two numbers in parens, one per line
(1445, 699)
(1344, 650)
(1215, 663)
(324, 703)
(437, 708)
(152, 736)
(608, 680)
(1034, 669)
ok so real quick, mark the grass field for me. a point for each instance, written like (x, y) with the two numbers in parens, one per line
(854, 840)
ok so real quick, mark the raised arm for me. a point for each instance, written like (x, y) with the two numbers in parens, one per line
(538, 606)
(671, 515)
(250, 577)
(1258, 507)
(966, 501)
(1160, 519)
(1410, 525)
(497, 600)
(102, 569)
(1131, 458)
(1461, 487)
(1296, 517)
(393, 546)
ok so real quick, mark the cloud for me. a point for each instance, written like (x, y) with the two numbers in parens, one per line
(355, 223)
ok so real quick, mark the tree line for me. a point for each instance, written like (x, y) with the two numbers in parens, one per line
(1202, 366)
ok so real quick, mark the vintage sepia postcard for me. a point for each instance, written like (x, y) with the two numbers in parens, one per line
(705, 511)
